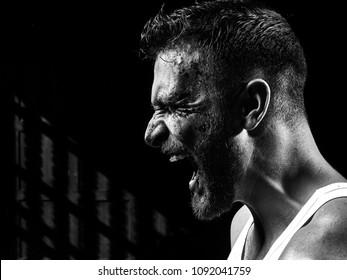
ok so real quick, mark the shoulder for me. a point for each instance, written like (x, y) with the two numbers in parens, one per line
(324, 236)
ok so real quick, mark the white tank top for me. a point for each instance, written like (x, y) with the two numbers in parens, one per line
(317, 200)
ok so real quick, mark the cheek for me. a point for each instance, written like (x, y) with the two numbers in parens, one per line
(207, 126)
(200, 131)
(204, 125)
(187, 129)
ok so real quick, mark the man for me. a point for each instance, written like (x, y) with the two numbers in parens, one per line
(227, 95)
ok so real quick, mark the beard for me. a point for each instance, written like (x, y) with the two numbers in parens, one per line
(217, 159)
(219, 168)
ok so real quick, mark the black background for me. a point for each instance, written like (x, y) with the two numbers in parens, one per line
(98, 93)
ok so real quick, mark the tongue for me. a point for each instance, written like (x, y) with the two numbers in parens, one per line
(193, 184)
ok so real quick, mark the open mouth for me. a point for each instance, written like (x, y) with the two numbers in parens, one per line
(194, 181)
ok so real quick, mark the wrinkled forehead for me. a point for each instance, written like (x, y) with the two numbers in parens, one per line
(175, 72)
(179, 60)
(181, 56)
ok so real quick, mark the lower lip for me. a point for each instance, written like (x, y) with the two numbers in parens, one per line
(194, 182)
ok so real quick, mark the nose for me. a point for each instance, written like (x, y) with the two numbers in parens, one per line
(156, 133)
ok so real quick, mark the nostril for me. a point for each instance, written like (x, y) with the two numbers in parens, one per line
(156, 135)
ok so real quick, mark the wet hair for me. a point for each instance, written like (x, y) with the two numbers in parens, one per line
(237, 38)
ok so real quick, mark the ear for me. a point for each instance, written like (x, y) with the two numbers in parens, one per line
(256, 99)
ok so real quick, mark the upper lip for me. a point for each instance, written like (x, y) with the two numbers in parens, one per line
(177, 154)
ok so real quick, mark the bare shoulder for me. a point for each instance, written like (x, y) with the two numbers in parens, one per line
(324, 236)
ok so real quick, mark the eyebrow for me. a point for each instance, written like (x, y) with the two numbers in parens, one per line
(157, 104)
(174, 97)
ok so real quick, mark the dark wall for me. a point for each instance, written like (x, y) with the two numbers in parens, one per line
(79, 182)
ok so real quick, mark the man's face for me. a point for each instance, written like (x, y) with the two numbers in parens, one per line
(191, 121)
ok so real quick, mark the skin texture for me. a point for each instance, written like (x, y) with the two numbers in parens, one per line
(188, 120)
(244, 156)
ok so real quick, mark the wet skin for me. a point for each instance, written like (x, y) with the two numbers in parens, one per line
(190, 121)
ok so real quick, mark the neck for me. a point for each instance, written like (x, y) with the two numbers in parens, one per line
(278, 188)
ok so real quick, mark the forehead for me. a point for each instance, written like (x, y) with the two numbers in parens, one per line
(178, 59)
(174, 70)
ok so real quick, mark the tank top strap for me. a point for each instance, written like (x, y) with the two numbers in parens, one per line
(237, 250)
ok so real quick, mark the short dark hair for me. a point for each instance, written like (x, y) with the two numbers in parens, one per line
(238, 37)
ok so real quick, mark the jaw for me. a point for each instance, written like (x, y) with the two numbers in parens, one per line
(215, 169)
(211, 192)
(220, 170)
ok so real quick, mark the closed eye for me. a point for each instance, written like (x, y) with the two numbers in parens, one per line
(185, 110)
(178, 109)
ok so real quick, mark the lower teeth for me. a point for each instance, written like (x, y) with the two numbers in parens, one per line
(193, 180)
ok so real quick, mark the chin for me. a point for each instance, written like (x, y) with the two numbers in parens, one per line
(207, 206)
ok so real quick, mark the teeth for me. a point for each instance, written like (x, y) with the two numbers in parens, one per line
(174, 158)
(193, 181)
